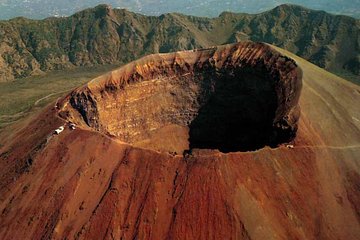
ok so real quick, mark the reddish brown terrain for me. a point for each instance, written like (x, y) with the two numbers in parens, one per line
(240, 141)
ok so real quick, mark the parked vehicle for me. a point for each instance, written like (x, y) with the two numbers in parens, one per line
(59, 130)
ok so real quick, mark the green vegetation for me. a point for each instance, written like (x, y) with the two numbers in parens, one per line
(103, 35)
(348, 76)
(26, 96)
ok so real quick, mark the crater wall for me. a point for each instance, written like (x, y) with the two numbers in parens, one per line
(237, 97)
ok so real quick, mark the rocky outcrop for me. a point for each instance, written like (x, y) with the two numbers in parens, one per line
(233, 97)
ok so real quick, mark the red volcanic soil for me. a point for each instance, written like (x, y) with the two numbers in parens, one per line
(117, 176)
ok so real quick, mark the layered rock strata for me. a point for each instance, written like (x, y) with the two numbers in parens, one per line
(235, 97)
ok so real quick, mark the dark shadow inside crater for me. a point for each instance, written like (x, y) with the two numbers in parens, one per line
(239, 113)
(231, 101)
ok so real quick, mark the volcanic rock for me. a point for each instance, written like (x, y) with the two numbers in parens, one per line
(233, 97)
(103, 180)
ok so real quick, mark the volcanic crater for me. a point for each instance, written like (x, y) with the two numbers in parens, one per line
(238, 97)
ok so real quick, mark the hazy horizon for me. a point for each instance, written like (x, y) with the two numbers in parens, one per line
(38, 9)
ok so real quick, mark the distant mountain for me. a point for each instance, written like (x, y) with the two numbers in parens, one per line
(38, 9)
(103, 35)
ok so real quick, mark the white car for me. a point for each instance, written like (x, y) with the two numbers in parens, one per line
(72, 126)
(59, 130)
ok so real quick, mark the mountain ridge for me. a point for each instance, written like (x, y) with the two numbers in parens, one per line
(103, 35)
(43, 8)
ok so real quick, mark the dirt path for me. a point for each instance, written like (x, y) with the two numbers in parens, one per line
(21, 114)
(329, 147)
(51, 94)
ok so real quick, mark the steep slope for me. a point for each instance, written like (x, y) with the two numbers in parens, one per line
(85, 184)
(103, 35)
(245, 94)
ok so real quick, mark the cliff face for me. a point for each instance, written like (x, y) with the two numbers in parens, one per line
(241, 96)
(87, 184)
(106, 36)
